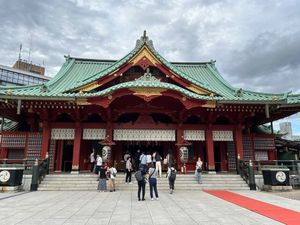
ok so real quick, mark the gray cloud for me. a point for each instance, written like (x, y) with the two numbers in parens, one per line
(255, 43)
(268, 59)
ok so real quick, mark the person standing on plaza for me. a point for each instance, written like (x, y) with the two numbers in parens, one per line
(141, 185)
(198, 171)
(92, 160)
(171, 177)
(128, 170)
(153, 181)
(113, 174)
(102, 178)
(158, 159)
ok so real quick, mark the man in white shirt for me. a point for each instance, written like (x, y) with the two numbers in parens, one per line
(98, 164)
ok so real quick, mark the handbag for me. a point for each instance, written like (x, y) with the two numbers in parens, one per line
(199, 170)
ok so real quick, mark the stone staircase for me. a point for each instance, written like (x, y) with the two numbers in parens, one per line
(85, 182)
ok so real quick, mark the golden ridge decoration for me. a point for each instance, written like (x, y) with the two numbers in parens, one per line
(148, 91)
(89, 87)
(199, 90)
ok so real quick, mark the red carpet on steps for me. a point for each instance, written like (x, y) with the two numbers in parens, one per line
(277, 213)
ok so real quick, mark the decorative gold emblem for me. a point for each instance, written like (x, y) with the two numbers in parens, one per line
(148, 91)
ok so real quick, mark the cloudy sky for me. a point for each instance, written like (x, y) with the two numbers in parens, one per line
(256, 43)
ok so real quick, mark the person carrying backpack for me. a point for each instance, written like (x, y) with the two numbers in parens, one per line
(140, 178)
(172, 177)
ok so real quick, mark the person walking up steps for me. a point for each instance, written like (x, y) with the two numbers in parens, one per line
(172, 177)
(92, 160)
(153, 181)
(98, 164)
(158, 159)
(128, 171)
(170, 160)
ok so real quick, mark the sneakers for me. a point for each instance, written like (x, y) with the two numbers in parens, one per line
(152, 199)
(130, 182)
(157, 198)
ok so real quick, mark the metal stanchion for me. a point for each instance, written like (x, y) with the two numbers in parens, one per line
(252, 184)
(35, 176)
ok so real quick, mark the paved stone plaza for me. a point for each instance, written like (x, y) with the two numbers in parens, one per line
(123, 208)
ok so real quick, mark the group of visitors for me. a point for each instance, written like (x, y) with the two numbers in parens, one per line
(149, 168)
(107, 175)
(147, 172)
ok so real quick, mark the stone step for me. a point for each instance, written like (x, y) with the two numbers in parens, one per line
(183, 182)
(123, 174)
(147, 189)
(123, 177)
(87, 182)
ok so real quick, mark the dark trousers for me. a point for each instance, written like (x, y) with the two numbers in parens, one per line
(153, 186)
(142, 186)
(128, 176)
(97, 169)
(171, 184)
(92, 166)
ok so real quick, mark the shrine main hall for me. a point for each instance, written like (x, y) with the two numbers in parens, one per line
(141, 101)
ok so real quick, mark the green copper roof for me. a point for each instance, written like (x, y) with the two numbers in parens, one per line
(77, 72)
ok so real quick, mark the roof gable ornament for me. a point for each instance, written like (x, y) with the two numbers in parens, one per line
(67, 58)
(144, 40)
(147, 77)
(44, 88)
(239, 93)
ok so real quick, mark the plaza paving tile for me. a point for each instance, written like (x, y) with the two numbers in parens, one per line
(92, 207)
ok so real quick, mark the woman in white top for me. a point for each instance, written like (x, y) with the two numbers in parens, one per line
(198, 171)
(112, 183)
